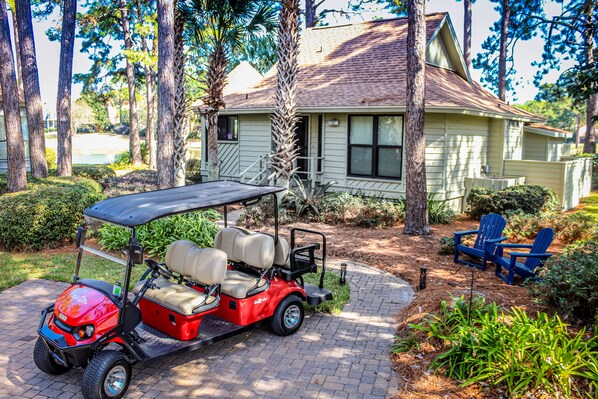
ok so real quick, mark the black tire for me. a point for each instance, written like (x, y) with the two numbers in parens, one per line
(288, 316)
(108, 363)
(44, 360)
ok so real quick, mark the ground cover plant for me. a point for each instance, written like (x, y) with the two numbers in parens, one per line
(568, 228)
(590, 205)
(508, 349)
(528, 199)
(340, 293)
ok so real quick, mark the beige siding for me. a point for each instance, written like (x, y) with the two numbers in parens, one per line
(254, 140)
(437, 54)
(513, 143)
(335, 149)
(534, 147)
(495, 146)
(556, 149)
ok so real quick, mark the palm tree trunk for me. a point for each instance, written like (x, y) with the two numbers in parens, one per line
(165, 93)
(133, 117)
(467, 32)
(17, 168)
(589, 145)
(416, 211)
(284, 117)
(180, 101)
(33, 101)
(502, 56)
(215, 81)
(65, 77)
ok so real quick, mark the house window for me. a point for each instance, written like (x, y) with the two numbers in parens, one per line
(228, 128)
(375, 146)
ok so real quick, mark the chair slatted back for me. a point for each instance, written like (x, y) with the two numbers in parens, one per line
(491, 227)
(540, 246)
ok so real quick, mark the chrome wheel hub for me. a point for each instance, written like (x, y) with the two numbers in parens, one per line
(291, 316)
(115, 381)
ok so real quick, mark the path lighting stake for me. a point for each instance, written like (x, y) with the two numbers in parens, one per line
(422, 277)
(343, 273)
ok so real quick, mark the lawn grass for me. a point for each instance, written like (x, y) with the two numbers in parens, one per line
(340, 293)
(18, 267)
(590, 205)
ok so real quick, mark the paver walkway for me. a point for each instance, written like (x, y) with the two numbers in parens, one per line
(342, 356)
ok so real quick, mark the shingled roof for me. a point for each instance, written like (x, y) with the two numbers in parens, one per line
(364, 65)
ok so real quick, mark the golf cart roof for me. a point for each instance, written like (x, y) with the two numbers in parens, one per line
(137, 209)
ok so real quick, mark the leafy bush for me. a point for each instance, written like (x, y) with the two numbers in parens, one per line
(569, 282)
(377, 212)
(133, 182)
(86, 128)
(447, 245)
(567, 228)
(46, 215)
(51, 158)
(94, 172)
(156, 236)
(262, 214)
(305, 199)
(512, 350)
(439, 212)
(524, 198)
(123, 159)
(193, 171)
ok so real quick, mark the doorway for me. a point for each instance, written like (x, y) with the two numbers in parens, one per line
(302, 136)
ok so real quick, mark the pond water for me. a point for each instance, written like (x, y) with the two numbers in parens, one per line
(87, 158)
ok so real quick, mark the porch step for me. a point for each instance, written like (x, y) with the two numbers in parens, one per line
(317, 295)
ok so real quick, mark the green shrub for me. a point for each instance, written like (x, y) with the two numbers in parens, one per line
(439, 212)
(123, 159)
(193, 171)
(51, 158)
(377, 212)
(569, 282)
(524, 198)
(305, 199)
(94, 172)
(46, 215)
(156, 236)
(262, 214)
(567, 228)
(512, 350)
(133, 182)
(447, 245)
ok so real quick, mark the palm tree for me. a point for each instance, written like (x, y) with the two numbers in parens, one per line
(180, 100)
(221, 27)
(284, 117)
(165, 92)
(33, 101)
(416, 211)
(64, 161)
(17, 172)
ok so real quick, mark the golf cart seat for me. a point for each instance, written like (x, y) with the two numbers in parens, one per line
(206, 266)
(243, 248)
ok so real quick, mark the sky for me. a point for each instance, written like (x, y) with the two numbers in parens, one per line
(484, 16)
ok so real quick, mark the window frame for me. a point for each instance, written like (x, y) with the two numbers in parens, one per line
(375, 146)
(236, 140)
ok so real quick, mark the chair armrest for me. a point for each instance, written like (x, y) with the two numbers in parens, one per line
(465, 233)
(526, 255)
(496, 240)
(515, 245)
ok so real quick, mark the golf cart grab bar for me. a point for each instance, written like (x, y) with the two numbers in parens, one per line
(103, 255)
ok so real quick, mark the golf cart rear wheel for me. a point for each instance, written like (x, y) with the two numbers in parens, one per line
(288, 316)
(44, 360)
(107, 376)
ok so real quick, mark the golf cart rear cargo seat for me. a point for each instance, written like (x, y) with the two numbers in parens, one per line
(252, 249)
(206, 266)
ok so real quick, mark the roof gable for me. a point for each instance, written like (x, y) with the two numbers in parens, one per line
(443, 50)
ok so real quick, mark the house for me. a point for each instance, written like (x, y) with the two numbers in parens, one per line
(351, 100)
(3, 152)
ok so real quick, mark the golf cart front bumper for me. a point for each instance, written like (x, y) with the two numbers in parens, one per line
(57, 345)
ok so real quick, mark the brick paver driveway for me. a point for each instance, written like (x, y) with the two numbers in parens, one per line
(344, 356)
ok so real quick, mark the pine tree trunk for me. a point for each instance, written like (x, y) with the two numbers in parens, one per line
(64, 157)
(134, 145)
(165, 93)
(467, 32)
(502, 56)
(180, 101)
(310, 13)
(284, 117)
(17, 168)
(416, 211)
(33, 101)
(589, 145)
(215, 81)
(15, 29)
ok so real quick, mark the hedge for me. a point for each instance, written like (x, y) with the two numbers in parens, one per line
(527, 199)
(46, 215)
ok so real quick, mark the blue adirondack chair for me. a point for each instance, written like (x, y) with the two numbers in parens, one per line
(488, 235)
(534, 259)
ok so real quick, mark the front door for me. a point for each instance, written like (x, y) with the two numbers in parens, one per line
(302, 136)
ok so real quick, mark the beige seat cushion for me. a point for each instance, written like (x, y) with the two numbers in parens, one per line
(237, 284)
(203, 265)
(253, 249)
(282, 252)
(177, 297)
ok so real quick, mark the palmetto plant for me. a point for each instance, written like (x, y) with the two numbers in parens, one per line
(222, 27)
(306, 198)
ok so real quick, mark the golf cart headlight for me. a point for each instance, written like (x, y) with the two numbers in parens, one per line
(84, 332)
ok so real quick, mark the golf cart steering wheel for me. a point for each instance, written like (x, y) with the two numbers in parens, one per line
(160, 268)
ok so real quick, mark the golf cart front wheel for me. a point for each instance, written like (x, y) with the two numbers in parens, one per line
(107, 376)
(288, 316)
(44, 360)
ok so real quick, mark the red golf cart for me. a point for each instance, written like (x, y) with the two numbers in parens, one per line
(195, 297)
